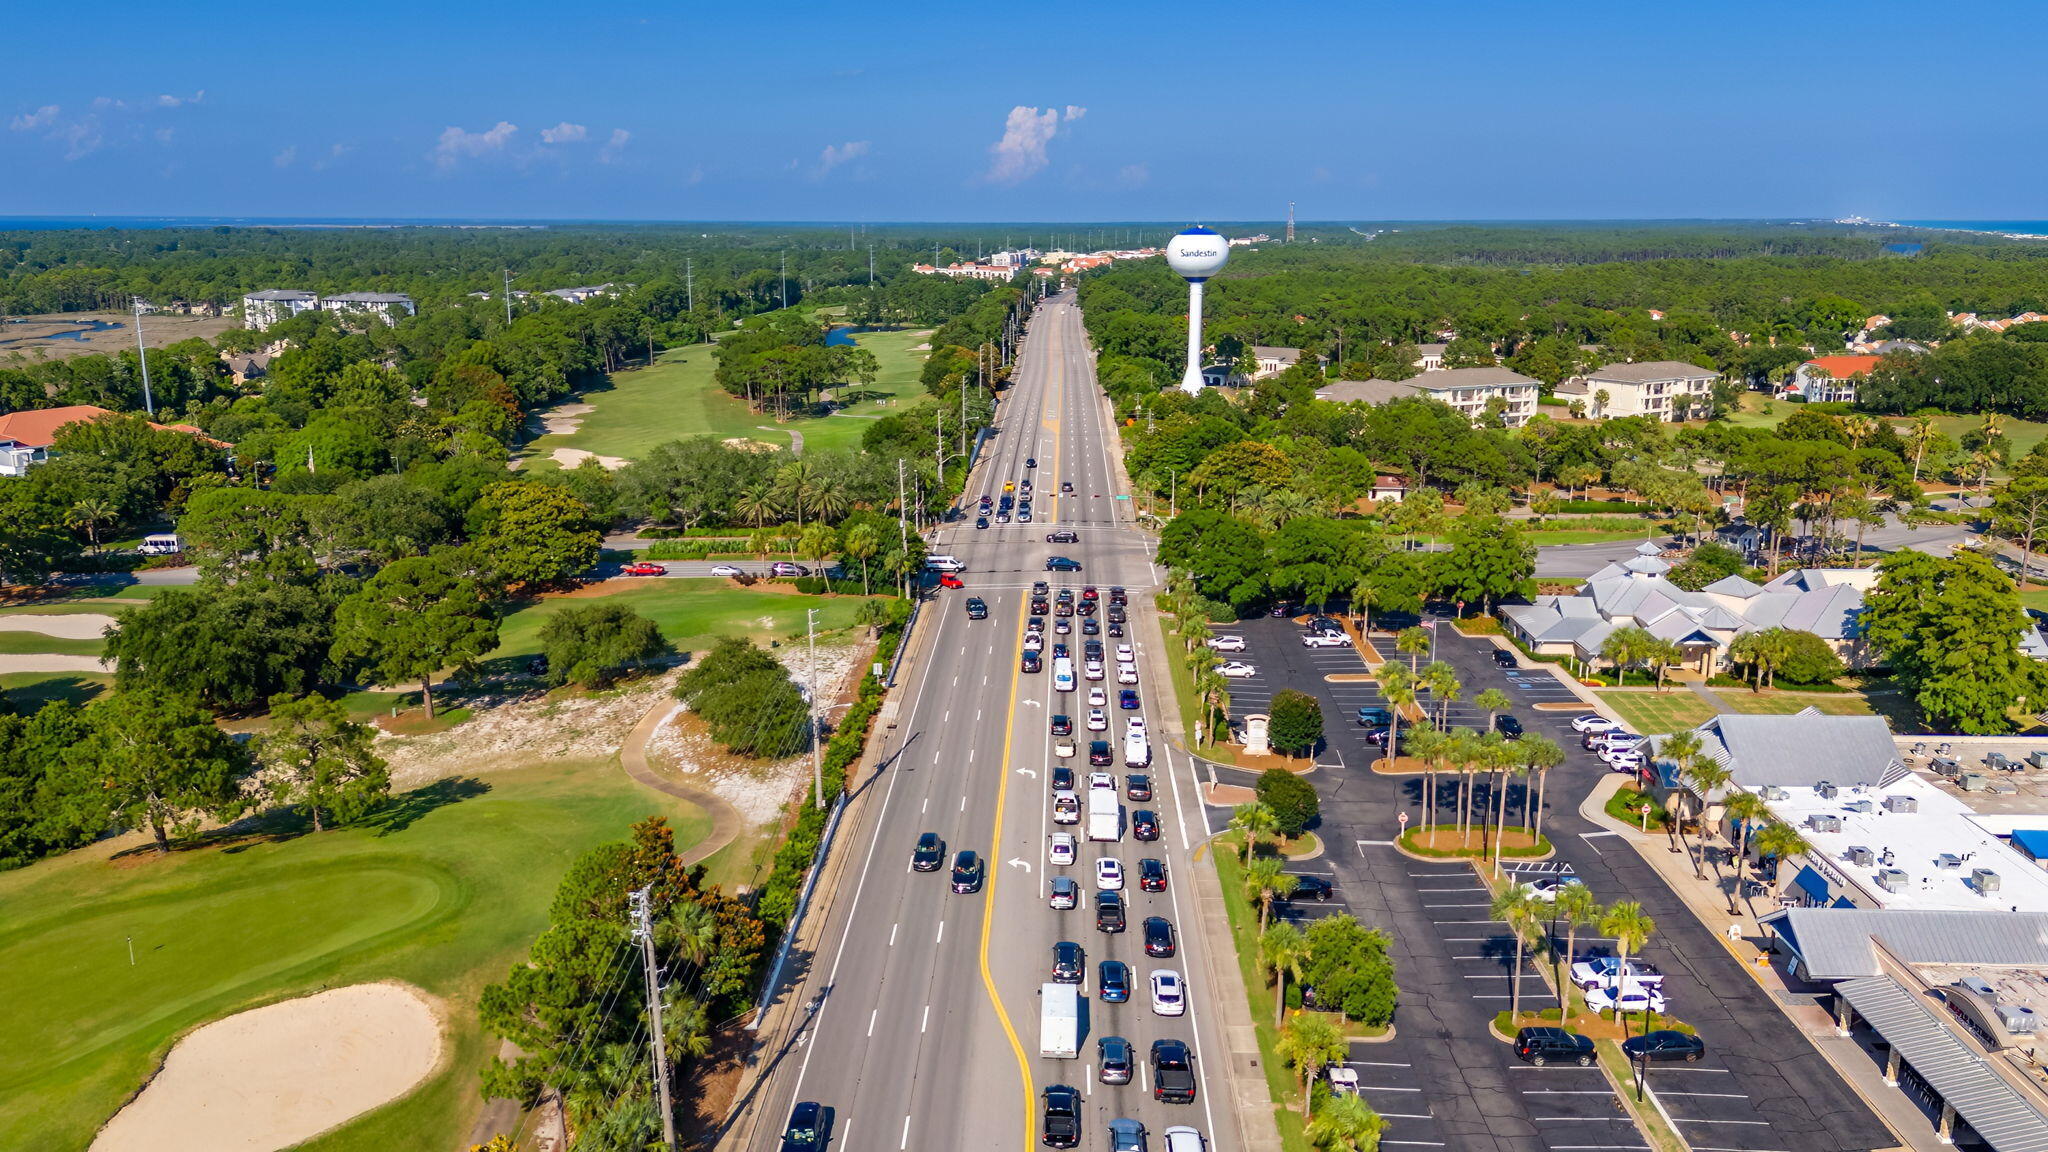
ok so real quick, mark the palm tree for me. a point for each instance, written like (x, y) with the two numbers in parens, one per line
(761, 542)
(1509, 764)
(1573, 907)
(1540, 754)
(1442, 681)
(1630, 928)
(1211, 686)
(1346, 1124)
(863, 543)
(1707, 778)
(1921, 435)
(1254, 820)
(757, 505)
(817, 540)
(1742, 808)
(831, 501)
(1682, 750)
(1397, 684)
(1432, 748)
(1522, 913)
(797, 483)
(1196, 633)
(1363, 593)
(1413, 641)
(1265, 882)
(1311, 1043)
(91, 514)
(696, 928)
(1495, 702)
(1283, 949)
(1779, 841)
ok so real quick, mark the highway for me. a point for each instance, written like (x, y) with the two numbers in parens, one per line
(926, 1033)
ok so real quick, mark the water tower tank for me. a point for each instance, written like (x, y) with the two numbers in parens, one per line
(1197, 254)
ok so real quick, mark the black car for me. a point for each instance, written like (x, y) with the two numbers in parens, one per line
(1031, 461)
(1032, 663)
(1158, 937)
(929, 854)
(1117, 595)
(1280, 611)
(1039, 607)
(1312, 888)
(977, 608)
(1087, 608)
(1173, 1072)
(1063, 536)
(1092, 649)
(1144, 825)
(1098, 754)
(805, 1131)
(1062, 724)
(1068, 962)
(1664, 1044)
(1115, 1057)
(1541, 1046)
(1508, 726)
(981, 521)
(1504, 658)
(1151, 875)
(1377, 737)
(1113, 981)
(1116, 629)
(1115, 615)
(1062, 564)
(1109, 911)
(1137, 786)
(966, 872)
(1062, 1121)
(1066, 486)
(1062, 779)
(1375, 717)
(1325, 625)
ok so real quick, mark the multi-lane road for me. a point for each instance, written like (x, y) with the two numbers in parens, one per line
(926, 1031)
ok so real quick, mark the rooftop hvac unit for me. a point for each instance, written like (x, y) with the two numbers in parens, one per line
(1861, 856)
(1979, 985)
(2018, 1019)
(1893, 879)
(1985, 881)
(1825, 790)
(1902, 803)
(1824, 822)
(1974, 782)
(1948, 860)
(2038, 757)
(1862, 807)
(1776, 793)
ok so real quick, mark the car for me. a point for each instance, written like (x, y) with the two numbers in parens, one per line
(1126, 1135)
(1063, 893)
(1062, 564)
(1137, 786)
(1064, 596)
(1227, 643)
(1612, 738)
(805, 1131)
(1281, 611)
(1623, 761)
(1127, 673)
(1631, 999)
(1009, 486)
(1151, 874)
(1544, 889)
(1173, 1072)
(787, 568)
(1098, 753)
(1378, 737)
(1085, 608)
(1169, 997)
(1088, 592)
(1612, 752)
(1063, 746)
(1237, 669)
(1059, 651)
(1002, 517)
(1112, 981)
(1504, 658)
(1039, 607)
(967, 872)
(1127, 699)
(1031, 663)
(1375, 717)
(1062, 625)
(1115, 615)
(1109, 875)
(1323, 640)
(1069, 962)
(1040, 589)
(1116, 628)
(1540, 1046)
(1144, 824)
(1090, 626)
(977, 608)
(1158, 937)
(1063, 536)
(1066, 487)
(1312, 888)
(1117, 595)
(1594, 722)
(1181, 1138)
(1031, 462)
(1062, 724)
(1066, 808)
(949, 580)
(1508, 726)
(981, 521)
(1125, 654)
(1596, 971)
(1102, 780)
(1063, 777)
(1109, 911)
(1060, 849)
(1024, 514)
(1062, 608)
(1098, 720)
(1092, 648)
(727, 570)
(929, 853)
(1033, 641)
(1115, 1060)
(1060, 1126)
(1665, 1044)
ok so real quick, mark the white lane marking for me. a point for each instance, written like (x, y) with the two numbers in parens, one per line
(892, 934)
(963, 803)
(925, 807)
(871, 1020)
(1709, 1095)
(927, 1024)
(941, 938)
(906, 1135)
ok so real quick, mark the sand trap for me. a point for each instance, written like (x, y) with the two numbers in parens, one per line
(50, 662)
(82, 626)
(572, 457)
(273, 1077)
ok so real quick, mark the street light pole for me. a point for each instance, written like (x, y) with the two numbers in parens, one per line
(811, 678)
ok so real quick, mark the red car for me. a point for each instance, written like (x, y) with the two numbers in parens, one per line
(644, 569)
(948, 580)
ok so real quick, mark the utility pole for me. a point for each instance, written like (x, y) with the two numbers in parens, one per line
(643, 931)
(939, 444)
(148, 401)
(902, 522)
(817, 771)
(871, 265)
(689, 284)
(508, 297)
(785, 279)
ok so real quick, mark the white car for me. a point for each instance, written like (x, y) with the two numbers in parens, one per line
(1594, 722)
(1109, 875)
(1634, 998)
(727, 570)
(1034, 642)
(1102, 780)
(1169, 998)
(1237, 669)
(1603, 971)
(1135, 726)
(1323, 640)
(1098, 720)
(1125, 654)
(1545, 888)
(1614, 752)
(1613, 738)
(1227, 643)
(1066, 808)
(1127, 673)
(1060, 849)
(1063, 746)
(1624, 761)
(1097, 698)
(1093, 669)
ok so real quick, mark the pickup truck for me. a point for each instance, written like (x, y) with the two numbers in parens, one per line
(1173, 1072)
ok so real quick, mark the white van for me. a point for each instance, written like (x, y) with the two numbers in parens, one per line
(161, 544)
(1063, 674)
(1137, 750)
(943, 564)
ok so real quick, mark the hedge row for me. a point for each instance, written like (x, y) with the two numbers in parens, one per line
(1568, 506)
(702, 549)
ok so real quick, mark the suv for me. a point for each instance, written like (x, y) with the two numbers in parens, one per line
(1117, 594)
(1504, 658)
(929, 852)
(1540, 1046)
(1151, 875)
(786, 568)
(1098, 753)
(1062, 724)
(1063, 536)
(1032, 663)
(977, 608)
(1137, 786)
(1158, 937)
(1062, 564)
(1114, 1057)
(1374, 717)
(1065, 893)
(1508, 726)
(1062, 1124)
(966, 872)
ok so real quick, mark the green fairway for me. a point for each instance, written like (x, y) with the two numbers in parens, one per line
(677, 398)
(1770, 702)
(2024, 434)
(444, 890)
(691, 613)
(14, 643)
(32, 690)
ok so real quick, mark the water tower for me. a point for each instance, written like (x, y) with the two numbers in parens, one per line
(1196, 255)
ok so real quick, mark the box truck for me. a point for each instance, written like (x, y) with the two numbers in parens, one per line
(1105, 814)
(1059, 1021)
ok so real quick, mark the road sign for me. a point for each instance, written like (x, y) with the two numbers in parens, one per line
(1404, 819)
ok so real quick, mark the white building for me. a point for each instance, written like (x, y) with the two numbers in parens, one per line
(1273, 361)
(262, 309)
(1466, 389)
(1649, 389)
(1826, 379)
(1429, 357)
(582, 295)
(385, 306)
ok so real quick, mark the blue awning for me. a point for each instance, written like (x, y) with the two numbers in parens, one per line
(2032, 841)
(1814, 885)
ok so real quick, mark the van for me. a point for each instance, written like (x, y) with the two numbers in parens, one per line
(1137, 750)
(1063, 675)
(943, 564)
(161, 544)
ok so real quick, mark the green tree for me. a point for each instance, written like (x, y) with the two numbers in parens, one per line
(1630, 928)
(1296, 726)
(321, 760)
(1350, 970)
(1777, 840)
(1253, 821)
(1291, 799)
(1282, 950)
(1494, 702)
(411, 621)
(1745, 812)
(162, 762)
(1625, 646)
(1413, 642)
(1950, 629)
(1517, 908)
(1574, 907)
(1709, 562)
(534, 534)
(2020, 513)
(1489, 559)
(1265, 881)
(1346, 1124)
(1310, 1043)
(863, 543)
(589, 644)
(233, 646)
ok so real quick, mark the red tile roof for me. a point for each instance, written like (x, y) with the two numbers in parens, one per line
(1844, 367)
(38, 427)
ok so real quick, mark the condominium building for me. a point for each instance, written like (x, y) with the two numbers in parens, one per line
(1651, 389)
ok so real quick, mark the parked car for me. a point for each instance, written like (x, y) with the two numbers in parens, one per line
(1508, 726)
(1063, 894)
(1169, 998)
(1227, 643)
(1375, 717)
(1322, 640)
(1596, 971)
(1540, 1046)
(644, 568)
(1630, 999)
(1665, 1044)
(1544, 889)
(1505, 659)
(1624, 760)
(727, 570)
(1237, 669)
(1312, 888)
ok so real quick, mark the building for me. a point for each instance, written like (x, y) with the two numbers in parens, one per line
(1429, 357)
(1466, 389)
(1658, 389)
(582, 295)
(15, 457)
(26, 436)
(385, 306)
(1392, 489)
(1365, 391)
(1273, 361)
(1636, 592)
(1826, 379)
(262, 309)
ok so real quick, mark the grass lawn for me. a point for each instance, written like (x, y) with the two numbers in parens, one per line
(445, 890)
(678, 398)
(1785, 703)
(1654, 713)
(1281, 1080)
(14, 643)
(2024, 434)
(32, 690)
(1542, 536)
(691, 613)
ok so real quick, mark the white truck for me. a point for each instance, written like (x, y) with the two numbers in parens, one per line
(1059, 1021)
(1105, 815)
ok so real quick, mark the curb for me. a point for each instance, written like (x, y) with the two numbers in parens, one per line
(1475, 861)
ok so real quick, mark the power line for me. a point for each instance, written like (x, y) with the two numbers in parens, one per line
(643, 931)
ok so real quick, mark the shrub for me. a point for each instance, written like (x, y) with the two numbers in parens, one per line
(748, 700)
(1350, 970)
(1297, 723)
(588, 644)
(1293, 800)
(1809, 660)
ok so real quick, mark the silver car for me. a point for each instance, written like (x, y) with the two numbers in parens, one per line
(1126, 1136)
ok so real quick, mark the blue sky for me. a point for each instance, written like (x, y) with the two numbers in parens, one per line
(1039, 111)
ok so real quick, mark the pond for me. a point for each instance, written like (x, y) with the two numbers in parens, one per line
(78, 331)
(843, 335)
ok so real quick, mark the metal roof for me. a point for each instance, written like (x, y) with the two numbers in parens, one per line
(1802, 749)
(1834, 943)
(2001, 1114)
(1654, 371)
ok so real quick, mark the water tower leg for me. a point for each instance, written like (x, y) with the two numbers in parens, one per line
(1191, 380)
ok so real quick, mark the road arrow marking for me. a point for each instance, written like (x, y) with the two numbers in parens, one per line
(1032, 704)
(1024, 864)
(1031, 772)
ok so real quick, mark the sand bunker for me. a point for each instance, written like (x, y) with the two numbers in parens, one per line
(273, 1077)
(50, 662)
(80, 626)
(572, 457)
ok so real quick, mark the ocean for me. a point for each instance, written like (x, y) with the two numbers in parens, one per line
(60, 223)
(2013, 227)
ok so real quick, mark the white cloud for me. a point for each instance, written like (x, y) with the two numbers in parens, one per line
(1020, 154)
(40, 118)
(457, 145)
(564, 133)
(166, 100)
(334, 154)
(614, 146)
(163, 135)
(109, 102)
(285, 158)
(836, 154)
(1133, 175)
(81, 137)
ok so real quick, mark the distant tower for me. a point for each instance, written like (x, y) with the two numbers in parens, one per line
(1195, 255)
(1290, 222)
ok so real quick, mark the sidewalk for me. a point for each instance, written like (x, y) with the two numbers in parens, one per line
(1750, 943)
